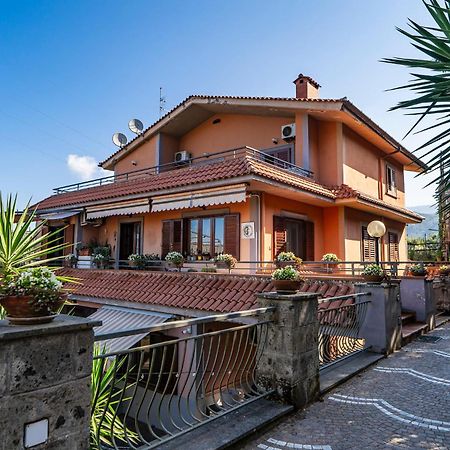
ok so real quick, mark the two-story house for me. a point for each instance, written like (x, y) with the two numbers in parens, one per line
(250, 176)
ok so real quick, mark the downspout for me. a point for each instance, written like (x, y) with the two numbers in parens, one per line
(380, 178)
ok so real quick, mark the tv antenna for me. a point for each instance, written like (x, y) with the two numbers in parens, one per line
(119, 139)
(162, 103)
(136, 126)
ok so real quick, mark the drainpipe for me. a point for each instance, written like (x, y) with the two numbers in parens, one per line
(380, 178)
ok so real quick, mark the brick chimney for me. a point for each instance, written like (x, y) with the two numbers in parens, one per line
(306, 87)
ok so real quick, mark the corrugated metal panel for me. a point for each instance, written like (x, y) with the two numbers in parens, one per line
(120, 319)
(59, 215)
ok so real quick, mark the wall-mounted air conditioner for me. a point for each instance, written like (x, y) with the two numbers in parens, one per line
(182, 157)
(288, 131)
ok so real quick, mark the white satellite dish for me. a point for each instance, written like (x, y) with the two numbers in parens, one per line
(119, 139)
(136, 126)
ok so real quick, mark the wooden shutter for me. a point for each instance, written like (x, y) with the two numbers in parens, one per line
(279, 235)
(309, 241)
(69, 235)
(368, 245)
(393, 246)
(165, 242)
(232, 235)
(177, 234)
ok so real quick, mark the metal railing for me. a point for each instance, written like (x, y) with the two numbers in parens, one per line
(202, 369)
(201, 160)
(340, 321)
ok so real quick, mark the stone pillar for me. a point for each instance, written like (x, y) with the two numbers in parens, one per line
(45, 384)
(382, 326)
(290, 362)
(441, 294)
(417, 295)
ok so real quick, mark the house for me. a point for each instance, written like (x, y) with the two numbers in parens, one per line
(250, 176)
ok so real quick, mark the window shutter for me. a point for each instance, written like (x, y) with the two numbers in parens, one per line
(279, 235)
(368, 246)
(165, 243)
(232, 235)
(309, 244)
(393, 246)
(177, 233)
(69, 234)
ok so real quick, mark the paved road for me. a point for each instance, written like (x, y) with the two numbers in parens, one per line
(402, 402)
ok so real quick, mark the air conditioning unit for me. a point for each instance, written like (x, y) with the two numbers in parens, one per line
(182, 157)
(288, 131)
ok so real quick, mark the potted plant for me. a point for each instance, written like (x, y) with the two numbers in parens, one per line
(71, 260)
(136, 260)
(285, 259)
(29, 291)
(286, 279)
(418, 270)
(101, 256)
(444, 270)
(373, 273)
(225, 261)
(84, 250)
(175, 259)
(331, 261)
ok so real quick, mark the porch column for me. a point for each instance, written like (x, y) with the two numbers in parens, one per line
(382, 326)
(255, 217)
(45, 373)
(290, 361)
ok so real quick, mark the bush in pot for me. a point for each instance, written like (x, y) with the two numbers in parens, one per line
(286, 279)
(284, 259)
(23, 248)
(71, 260)
(225, 261)
(330, 261)
(175, 259)
(373, 272)
(101, 256)
(444, 270)
(136, 260)
(418, 270)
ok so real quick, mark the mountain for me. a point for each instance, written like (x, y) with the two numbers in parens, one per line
(429, 225)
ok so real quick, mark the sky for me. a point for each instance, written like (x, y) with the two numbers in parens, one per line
(73, 73)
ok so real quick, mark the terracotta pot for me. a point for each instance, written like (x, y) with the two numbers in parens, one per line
(282, 264)
(84, 252)
(286, 285)
(373, 278)
(21, 312)
(444, 273)
(222, 265)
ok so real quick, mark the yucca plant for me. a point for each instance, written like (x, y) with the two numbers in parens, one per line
(431, 85)
(107, 385)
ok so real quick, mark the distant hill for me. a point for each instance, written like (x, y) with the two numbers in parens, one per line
(428, 226)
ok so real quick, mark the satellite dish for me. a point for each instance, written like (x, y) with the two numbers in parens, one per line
(119, 139)
(136, 126)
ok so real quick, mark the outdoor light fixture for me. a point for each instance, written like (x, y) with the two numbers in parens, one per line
(376, 229)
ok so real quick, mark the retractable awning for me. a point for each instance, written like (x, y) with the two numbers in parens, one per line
(59, 215)
(194, 199)
(118, 209)
(124, 319)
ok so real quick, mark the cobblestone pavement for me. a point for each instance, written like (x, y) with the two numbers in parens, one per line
(401, 402)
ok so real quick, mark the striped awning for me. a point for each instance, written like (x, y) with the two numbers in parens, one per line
(124, 319)
(59, 215)
(118, 209)
(196, 199)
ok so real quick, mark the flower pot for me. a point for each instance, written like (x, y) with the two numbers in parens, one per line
(174, 266)
(373, 278)
(84, 252)
(222, 265)
(444, 273)
(20, 311)
(287, 286)
(282, 264)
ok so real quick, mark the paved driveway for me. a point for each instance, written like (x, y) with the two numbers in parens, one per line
(401, 402)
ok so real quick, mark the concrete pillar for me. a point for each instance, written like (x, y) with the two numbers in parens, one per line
(45, 384)
(417, 295)
(382, 326)
(290, 362)
(441, 294)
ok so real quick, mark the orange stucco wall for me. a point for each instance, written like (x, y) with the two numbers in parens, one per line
(144, 156)
(329, 147)
(364, 166)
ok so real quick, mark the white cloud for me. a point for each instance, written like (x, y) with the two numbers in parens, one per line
(84, 167)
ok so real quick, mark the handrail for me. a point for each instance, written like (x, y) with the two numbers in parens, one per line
(184, 323)
(154, 170)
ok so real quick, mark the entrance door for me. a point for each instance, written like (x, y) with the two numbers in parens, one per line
(130, 239)
(58, 238)
(295, 237)
(292, 235)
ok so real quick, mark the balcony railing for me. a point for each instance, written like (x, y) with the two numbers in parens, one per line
(154, 393)
(206, 159)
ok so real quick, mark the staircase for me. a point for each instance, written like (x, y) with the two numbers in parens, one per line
(410, 327)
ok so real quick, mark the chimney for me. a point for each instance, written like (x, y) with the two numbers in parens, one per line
(306, 87)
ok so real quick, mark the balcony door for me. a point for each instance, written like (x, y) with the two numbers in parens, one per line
(129, 239)
(293, 235)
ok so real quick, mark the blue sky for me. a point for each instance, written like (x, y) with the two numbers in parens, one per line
(75, 72)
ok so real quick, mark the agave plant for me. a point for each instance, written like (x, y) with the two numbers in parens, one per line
(21, 245)
(431, 86)
(107, 385)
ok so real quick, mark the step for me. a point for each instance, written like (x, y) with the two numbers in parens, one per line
(441, 318)
(412, 330)
(408, 317)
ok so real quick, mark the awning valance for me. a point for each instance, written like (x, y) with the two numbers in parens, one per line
(124, 319)
(118, 209)
(196, 199)
(59, 215)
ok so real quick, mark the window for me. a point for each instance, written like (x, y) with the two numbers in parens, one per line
(393, 246)
(129, 239)
(292, 235)
(368, 245)
(391, 185)
(278, 155)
